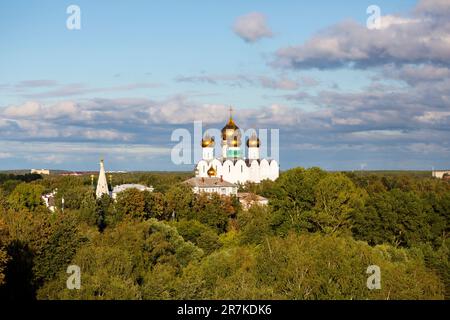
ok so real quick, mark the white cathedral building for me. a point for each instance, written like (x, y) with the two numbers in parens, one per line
(231, 165)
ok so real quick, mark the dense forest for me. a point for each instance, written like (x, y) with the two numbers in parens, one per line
(315, 239)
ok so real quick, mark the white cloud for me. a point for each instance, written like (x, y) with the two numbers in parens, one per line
(433, 117)
(414, 74)
(280, 82)
(28, 109)
(5, 155)
(252, 27)
(36, 83)
(347, 121)
(433, 7)
(379, 134)
(390, 20)
(427, 148)
(74, 89)
(420, 38)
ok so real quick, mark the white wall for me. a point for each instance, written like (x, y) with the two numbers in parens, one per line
(202, 168)
(239, 172)
(253, 153)
(208, 153)
(440, 174)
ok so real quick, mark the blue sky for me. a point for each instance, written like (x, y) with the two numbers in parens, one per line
(137, 70)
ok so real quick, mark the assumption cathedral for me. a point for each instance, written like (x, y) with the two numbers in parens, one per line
(232, 166)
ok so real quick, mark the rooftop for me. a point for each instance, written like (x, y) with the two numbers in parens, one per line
(123, 187)
(208, 182)
(246, 196)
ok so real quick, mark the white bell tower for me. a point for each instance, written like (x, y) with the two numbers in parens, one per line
(208, 148)
(253, 147)
(102, 184)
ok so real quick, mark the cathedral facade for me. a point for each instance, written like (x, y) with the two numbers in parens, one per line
(232, 165)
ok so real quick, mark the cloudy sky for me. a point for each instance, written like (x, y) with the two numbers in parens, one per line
(344, 96)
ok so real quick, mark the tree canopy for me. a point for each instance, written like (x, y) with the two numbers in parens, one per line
(314, 240)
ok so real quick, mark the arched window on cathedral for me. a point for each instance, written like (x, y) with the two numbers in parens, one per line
(242, 168)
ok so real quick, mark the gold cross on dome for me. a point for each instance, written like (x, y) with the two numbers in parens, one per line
(231, 111)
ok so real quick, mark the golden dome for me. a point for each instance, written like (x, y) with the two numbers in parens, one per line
(208, 142)
(253, 141)
(230, 130)
(231, 133)
(235, 142)
(212, 172)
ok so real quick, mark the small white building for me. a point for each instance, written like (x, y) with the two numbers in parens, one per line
(440, 173)
(49, 200)
(40, 171)
(249, 199)
(212, 185)
(120, 188)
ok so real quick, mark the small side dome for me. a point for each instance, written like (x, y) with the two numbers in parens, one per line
(207, 142)
(212, 172)
(253, 141)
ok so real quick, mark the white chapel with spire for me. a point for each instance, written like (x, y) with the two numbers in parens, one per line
(232, 166)
(102, 184)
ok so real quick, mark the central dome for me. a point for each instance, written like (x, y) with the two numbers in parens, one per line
(229, 129)
(231, 133)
